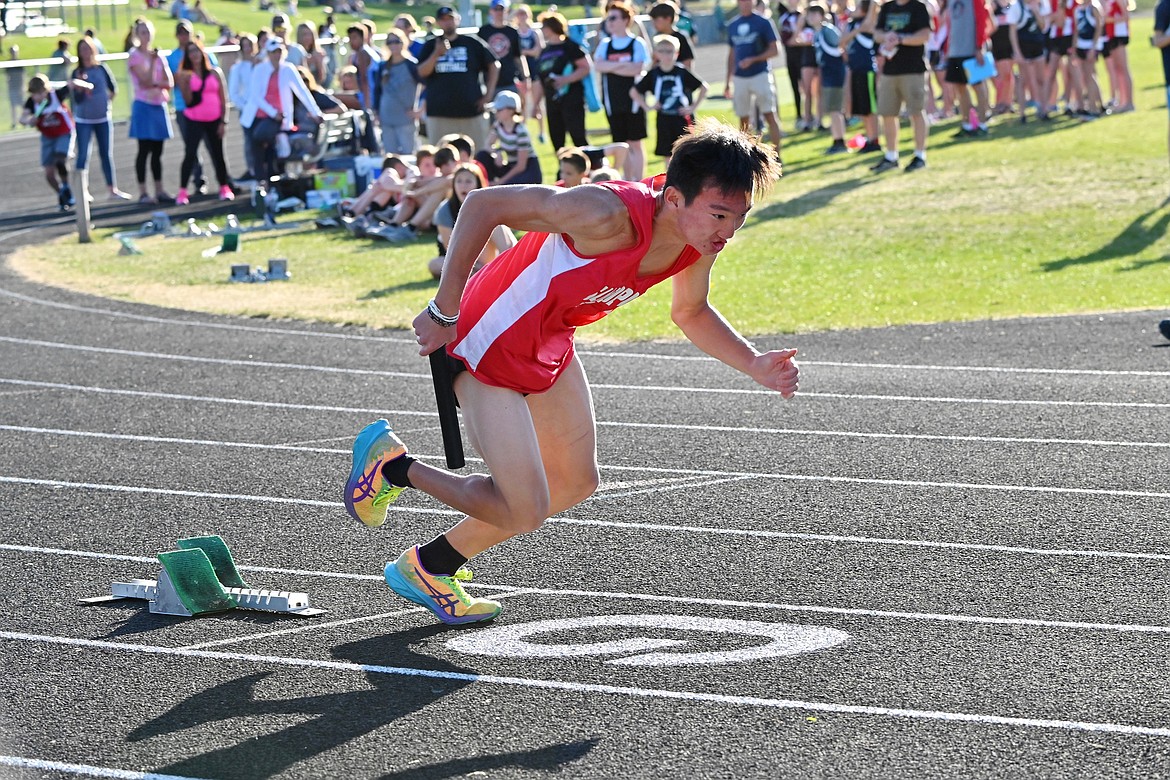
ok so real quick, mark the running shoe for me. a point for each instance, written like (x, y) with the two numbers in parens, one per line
(182, 199)
(225, 193)
(440, 594)
(916, 163)
(367, 493)
(886, 164)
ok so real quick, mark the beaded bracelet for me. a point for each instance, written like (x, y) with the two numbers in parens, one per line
(440, 319)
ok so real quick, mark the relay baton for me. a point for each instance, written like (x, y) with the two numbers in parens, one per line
(448, 417)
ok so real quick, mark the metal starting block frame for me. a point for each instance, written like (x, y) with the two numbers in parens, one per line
(200, 578)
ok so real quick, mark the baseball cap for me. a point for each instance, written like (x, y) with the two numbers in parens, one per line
(444, 10)
(499, 4)
(506, 99)
(183, 26)
(274, 44)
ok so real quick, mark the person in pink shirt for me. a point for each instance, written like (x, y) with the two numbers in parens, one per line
(150, 124)
(205, 94)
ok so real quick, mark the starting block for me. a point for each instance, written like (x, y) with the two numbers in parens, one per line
(200, 578)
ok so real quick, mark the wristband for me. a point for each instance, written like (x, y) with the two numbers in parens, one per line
(440, 319)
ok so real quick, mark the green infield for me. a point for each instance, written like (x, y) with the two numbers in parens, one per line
(1038, 219)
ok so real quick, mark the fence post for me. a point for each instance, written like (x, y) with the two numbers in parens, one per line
(81, 204)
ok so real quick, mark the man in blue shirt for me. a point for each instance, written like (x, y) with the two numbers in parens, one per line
(753, 43)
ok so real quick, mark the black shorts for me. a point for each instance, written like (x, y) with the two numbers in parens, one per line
(1083, 54)
(956, 73)
(863, 92)
(627, 127)
(670, 128)
(1114, 43)
(810, 57)
(1058, 47)
(1032, 50)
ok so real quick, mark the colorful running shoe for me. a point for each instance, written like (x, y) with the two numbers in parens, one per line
(440, 594)
(367, 493)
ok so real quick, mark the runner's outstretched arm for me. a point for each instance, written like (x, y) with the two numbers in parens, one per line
(706, 328)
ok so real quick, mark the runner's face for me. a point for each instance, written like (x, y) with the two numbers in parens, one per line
(712, 218)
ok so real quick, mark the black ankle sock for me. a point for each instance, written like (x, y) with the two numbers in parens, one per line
(439, 557)
(395, 471)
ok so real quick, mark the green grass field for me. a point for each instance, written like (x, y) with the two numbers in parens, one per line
(1040, 219)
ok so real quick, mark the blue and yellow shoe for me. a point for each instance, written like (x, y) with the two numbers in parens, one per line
(440, 594)
(367, 493)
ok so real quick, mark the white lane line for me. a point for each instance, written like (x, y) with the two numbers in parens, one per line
(598, 386)
(611, 690)
(717, 530)
(314, 626)
(519, 590)
(214, 361)
(603, 494)
(21, 762)
(589, 353)
(606, 423)
(201, 324)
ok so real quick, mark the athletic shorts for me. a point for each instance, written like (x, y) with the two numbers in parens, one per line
(627, 127)
(670, 128)
(1032, 50)
(936, 61)
(1113, 43)
(832, 99)
(55, 150)
(758, 87)
(862, 90)
(1059, 46)
(908, 89)
(1083, 54)
(956, 73)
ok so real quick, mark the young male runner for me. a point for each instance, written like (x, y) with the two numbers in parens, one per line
(508, 332)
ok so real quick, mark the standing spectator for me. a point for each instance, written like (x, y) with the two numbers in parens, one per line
(15, 85)
(91, 112)
(1001, 52)
(863, 76)
(239, 82)
(1026, 22)
(269, 111)
(621, 59)
(970, 25)
(327, 36)
(510, 157)
(504, 42)
(673, 88)
(396, 91)
(183, 35)
(562, 66)
(531, 43)
(753, 44)
(205, 94)
(97, 44)
(150, 124)
(1087, 21)
(59, 70)
(45, 109)
(406, 24)
(1161, 40)
(1116, 53)
(461, 74)
(901, 27)
(827, 45)
(663, 16)
(295, 54)
(364, 57)
(793, 56)
(314, 54)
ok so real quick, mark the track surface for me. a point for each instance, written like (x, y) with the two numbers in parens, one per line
(965, 524)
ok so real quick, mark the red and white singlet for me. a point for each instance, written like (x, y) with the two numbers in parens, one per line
(518, 315)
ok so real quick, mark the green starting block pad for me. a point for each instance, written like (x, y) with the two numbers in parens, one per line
(200, 578)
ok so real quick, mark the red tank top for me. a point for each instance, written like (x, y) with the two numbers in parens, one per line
(518, 315)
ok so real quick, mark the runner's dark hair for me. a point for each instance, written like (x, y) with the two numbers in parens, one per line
(712, 154)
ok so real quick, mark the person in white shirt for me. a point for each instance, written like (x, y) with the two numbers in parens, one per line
(239, 82)
(269, 108)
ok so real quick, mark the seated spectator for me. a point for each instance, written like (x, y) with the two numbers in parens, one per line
(465, 179)
(416, 209)
(512, 158)
(574, 167)
(199, 15)
(388, 187)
